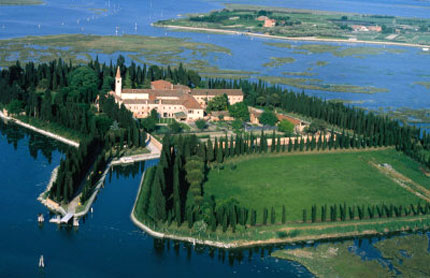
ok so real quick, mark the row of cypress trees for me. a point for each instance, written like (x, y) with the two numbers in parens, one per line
(382, 129)
(342, 212)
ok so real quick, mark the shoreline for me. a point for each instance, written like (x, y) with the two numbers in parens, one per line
(40, 131)
(313, 39)
(54, 206)
(252, 243)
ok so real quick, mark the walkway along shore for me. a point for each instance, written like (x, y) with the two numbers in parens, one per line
(231, 32)
(41, 131)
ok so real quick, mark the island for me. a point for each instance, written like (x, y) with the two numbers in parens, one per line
(308, 25)
(241, 163)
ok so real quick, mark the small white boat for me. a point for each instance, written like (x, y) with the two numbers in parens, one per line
(75, 222)
(425, 49)
(41, 262)
(40, 218)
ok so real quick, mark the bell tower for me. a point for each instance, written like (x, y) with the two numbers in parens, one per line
(118, 83)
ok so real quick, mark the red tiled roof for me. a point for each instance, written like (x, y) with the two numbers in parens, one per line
(190, 103)
(216, 92)
(118, 73)
(161, 85)
(292, 120)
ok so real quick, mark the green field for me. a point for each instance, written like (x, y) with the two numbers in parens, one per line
(299, 181)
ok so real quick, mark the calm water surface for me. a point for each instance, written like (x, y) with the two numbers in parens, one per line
(396, 72)
(107, 244)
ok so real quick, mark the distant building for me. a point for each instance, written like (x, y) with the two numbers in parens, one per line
(362, 28)
(262, 18)
(375, 28)
(268, 23)
(170, 101)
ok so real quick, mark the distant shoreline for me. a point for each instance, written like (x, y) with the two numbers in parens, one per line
(231, 32)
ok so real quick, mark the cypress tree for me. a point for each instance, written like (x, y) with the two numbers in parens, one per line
(273, 145)
(272, 216)
(284, 215)
(304, 216)
(177, 203)
(265, 216)
(314, 213)
(253, 217)
(219, 155)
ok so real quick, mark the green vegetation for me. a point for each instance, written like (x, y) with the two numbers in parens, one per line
(333, 260)
(408, 255)
(239, 111)
(340, 51)
(77, 47)
(408, 115)
(279, 62)
(298, 73)
(53, 127)
(20, 2)
(268, 118)
(316, 84)
(201, 124)
(336, 50)
(424, 83)
(300, 181)
(286, 127)
(218, 103)
(321, 63)
(309, 23)
(377, 191)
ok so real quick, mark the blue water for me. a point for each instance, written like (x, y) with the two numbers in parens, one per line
(396, 72)
(107, 244)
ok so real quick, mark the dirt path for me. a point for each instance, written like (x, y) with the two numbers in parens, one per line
(231, 32)
(346, 224)
(405, 182)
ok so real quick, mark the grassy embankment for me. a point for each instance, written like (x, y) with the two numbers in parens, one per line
(53, 128)
(408, 255)
(299, 181)
(144, 49)
(310, 23)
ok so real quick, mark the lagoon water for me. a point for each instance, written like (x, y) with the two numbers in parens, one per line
(395, 72)
(108, 244)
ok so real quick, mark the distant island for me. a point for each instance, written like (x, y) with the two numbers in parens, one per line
(20, 2)
(308, 25)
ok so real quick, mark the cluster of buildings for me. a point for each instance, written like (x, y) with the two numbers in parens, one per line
(268, 23)
(170, 101)
(362, 28)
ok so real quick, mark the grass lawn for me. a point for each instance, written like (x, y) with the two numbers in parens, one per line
(299, 181)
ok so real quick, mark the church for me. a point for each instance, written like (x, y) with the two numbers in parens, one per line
(170, 101)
